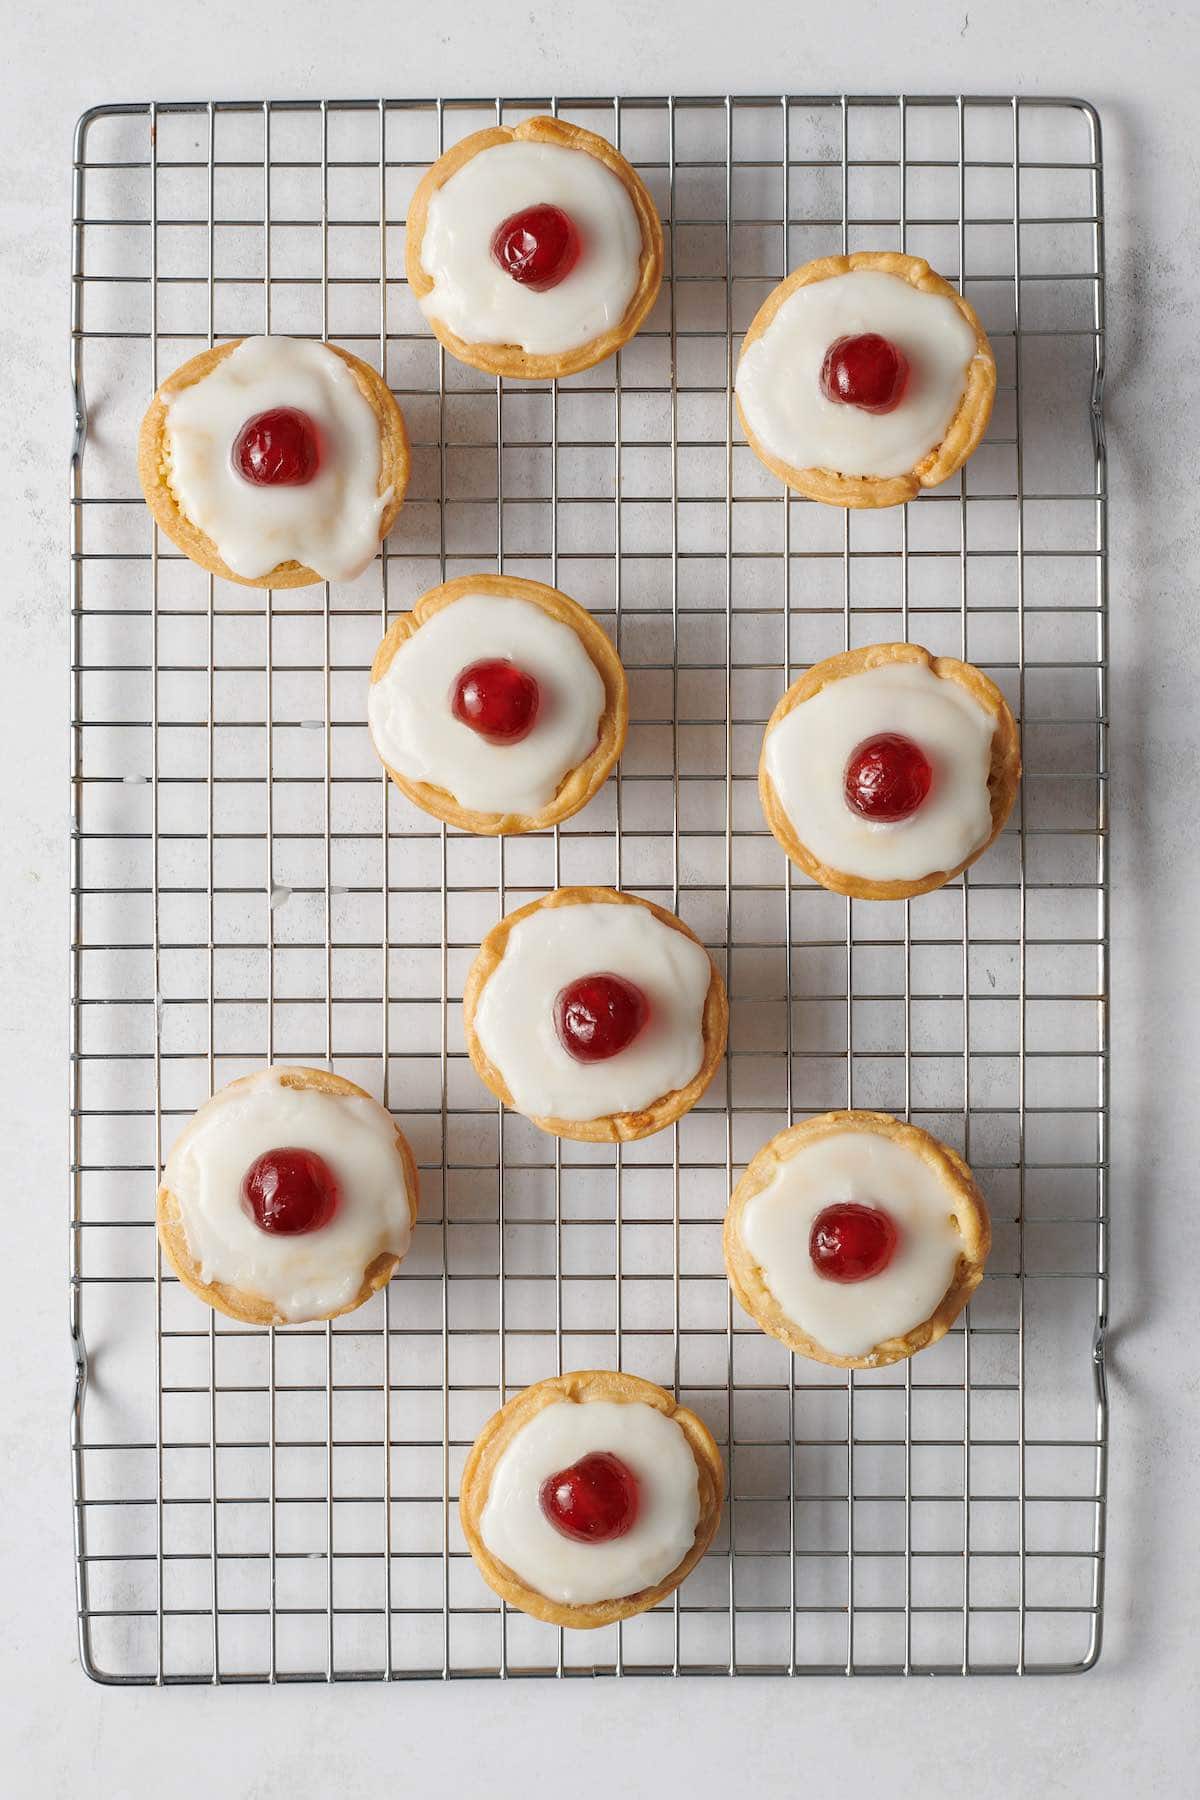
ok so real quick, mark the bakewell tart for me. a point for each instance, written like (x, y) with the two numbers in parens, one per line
(590, 1497)
(855, 1239)
(886, 771)
(534, 250)
(497, 704)
(596, 1014)
(865, 378)
(275, 461)
(289, 1196)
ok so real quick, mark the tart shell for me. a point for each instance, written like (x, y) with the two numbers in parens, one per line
(965, 429)
(964, 1198)
(498, 1433)
(154, 465)
(254, 1309)
(579, 784)
(510, 359)
(1003, 778)
(611, 1128)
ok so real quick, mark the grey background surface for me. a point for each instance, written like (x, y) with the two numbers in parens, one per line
(1133, 1725)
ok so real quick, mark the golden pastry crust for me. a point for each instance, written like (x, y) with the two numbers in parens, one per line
(510, 359)
(253, 1309)
(584, 1386)
(612, 1128)
(154, 465)
(965, 1201)
(1003, 777)
(965, 429)
(580, 783)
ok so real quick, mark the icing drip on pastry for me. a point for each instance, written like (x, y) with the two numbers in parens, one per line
(807, 754)
(410, 709)
(866, 1169)
(654, 1450)
(307, 1274)
(473, 293)
(329, 521)
(779, 375)
(553, 947)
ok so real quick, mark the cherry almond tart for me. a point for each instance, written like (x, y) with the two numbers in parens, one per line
(290, 1196)
(855, 1239)
(497, 704)
(590, 1497)
(596, 1014)
(274, 461)
(864, 378)
(886, 771)
(534, 250)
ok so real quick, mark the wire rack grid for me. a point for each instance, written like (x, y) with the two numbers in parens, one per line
(280, 1505)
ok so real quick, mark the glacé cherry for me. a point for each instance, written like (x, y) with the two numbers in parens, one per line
(849, 1242)
(280, 448)
(887, 778)
(597, 1016)
(538, 246)
(867, 371)
(290, 1191)
(497, 700)
(594, 1501)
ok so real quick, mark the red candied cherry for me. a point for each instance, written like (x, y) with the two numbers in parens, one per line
(887, 778)
(849, 1242)
(868, 371)
(497, 700)
(594, 1501)
(290, 1191)
(280, 448)
(538, 246)
(598, 1016)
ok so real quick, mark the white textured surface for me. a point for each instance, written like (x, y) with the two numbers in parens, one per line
(1132, 1726)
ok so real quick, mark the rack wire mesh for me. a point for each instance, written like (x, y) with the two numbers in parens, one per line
(280, 1505)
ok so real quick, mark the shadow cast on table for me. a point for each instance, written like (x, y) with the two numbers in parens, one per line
(1144, 1117)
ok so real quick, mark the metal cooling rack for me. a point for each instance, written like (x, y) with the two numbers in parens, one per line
(278, 1505)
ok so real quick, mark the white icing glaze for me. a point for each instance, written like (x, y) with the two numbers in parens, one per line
(416, 733)
(331, 523)
(779, 385)
(807, 754)
(652, 1447)
(514, 1019)
(478, 300)
(850, 1318)
(313, 1273)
